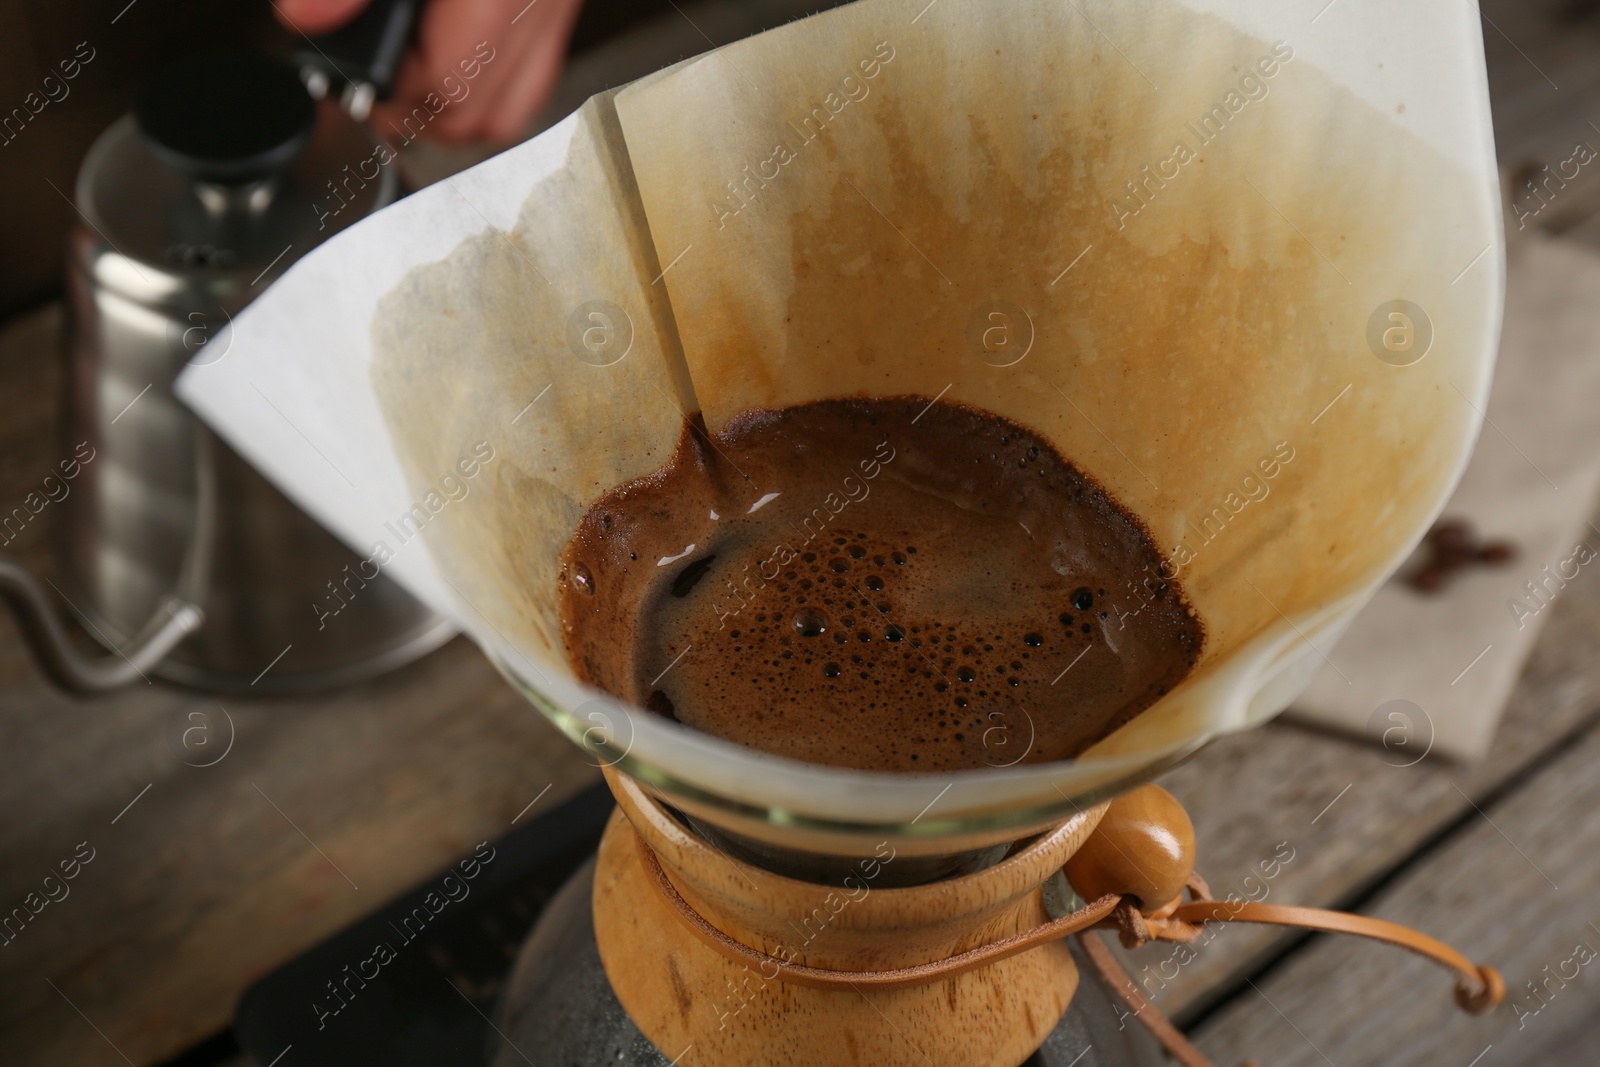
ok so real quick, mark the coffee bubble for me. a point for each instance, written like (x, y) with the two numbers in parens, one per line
(810, 623)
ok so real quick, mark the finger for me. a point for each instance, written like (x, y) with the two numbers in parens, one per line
(494, 61)
(465, 52)
(419, 107)
(510, 34)
(450, 106)
(535, 48)
(312, 17)
(535, 80)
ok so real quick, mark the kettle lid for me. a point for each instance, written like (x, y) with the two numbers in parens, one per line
(227, 172)
(226, 117)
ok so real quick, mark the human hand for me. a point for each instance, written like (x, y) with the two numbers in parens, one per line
(489, 65)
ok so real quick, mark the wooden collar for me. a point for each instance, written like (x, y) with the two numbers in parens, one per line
(1478, 988)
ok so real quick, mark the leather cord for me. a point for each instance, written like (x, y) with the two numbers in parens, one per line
(1116, 979)
(1478, 988)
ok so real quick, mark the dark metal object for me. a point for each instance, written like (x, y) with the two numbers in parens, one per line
(358, 62)
(226, 117)
(558, 1002)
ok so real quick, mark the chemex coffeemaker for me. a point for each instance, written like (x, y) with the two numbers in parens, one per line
(1163, 264)
(173, 552)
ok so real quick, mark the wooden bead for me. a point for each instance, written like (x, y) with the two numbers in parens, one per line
(1143, 847)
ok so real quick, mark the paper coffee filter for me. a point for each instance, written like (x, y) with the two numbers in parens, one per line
(1180, 349)
(977, 200)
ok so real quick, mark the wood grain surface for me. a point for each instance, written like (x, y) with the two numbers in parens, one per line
(1517, 885)
(1351, 810)
(322, 809)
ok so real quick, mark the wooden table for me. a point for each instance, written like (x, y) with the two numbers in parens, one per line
(204, 878)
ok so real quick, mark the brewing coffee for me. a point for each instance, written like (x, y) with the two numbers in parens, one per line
(886, 584)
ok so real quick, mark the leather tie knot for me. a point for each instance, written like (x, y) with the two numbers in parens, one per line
(1483, 996)
(1132, 929)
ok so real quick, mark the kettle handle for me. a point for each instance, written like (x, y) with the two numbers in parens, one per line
(173, 621)
(176, 618)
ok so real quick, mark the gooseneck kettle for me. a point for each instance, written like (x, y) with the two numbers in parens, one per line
(172, 551)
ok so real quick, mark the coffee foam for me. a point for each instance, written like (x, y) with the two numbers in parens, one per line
(943, 604)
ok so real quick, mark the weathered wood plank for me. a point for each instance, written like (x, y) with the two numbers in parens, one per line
(1250, 792)
(1518, 887)
(1543, 80)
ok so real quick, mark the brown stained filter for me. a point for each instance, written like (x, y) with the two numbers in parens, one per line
(487, 345)
(1188, 328)
(1213, 315)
